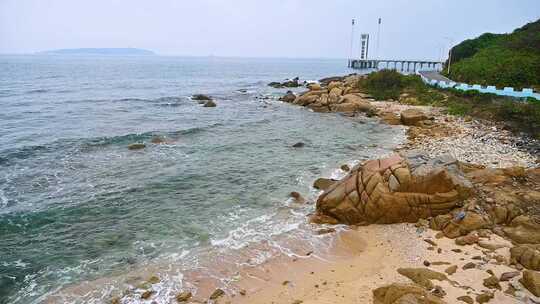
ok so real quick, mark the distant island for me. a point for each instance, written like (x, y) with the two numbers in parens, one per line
(100, 51)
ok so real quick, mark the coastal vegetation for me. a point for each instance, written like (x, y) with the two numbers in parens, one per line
(520, 115)
(502, 60)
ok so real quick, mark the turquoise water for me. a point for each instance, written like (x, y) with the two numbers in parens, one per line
(76, 204)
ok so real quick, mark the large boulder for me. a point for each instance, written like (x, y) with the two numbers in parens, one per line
(353, 103)
(531, 281)
(399, 293)
(393, 190)
(306, 99)
(411, 117)
(334, 85)
(527, 255)
(289, 97)
(390, 118)
(523, 230)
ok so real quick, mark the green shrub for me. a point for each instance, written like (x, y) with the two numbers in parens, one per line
(385, 84)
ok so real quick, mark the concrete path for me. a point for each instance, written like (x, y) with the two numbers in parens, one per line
(434, 75)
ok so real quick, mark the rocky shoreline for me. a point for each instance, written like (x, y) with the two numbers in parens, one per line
(467, 181)
(451, 217)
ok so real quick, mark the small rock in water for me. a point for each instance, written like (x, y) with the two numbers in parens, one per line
(217, 293)
(345, 168)
(201, 97)
(209, 104)
(451, 270)
(298, 145)
(136, 146)
(157, 140)
(183, 296)
(484, 297)
(298, 197)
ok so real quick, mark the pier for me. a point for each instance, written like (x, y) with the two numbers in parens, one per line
(394, 64)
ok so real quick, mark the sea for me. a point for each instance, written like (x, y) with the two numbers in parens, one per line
(81, 214)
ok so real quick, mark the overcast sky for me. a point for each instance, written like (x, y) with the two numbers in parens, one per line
(411, 29)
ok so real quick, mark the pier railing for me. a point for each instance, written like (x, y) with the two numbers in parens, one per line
(506, 91)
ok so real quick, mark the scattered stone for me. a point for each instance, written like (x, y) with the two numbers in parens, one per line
(297, 302)
(147, 294)
(451, 270)
(298, 145)
(404, 293)
(469, 265)
(484, 297)
(507, 276)
(422, 276)
(531, 281)
(469, 239)
(183, 296)
(217, 293)
(209, 104)
(466, 299)
(242, 292)
(457, 250)
(427, 263)
(430, 241)
(438, 292)
(492, 282)
(490, 246)
(136, 146)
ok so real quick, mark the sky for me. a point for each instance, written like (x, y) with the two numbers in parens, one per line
(410, 29)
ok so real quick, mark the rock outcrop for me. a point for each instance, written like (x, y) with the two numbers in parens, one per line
(398, 293)
(393, 190)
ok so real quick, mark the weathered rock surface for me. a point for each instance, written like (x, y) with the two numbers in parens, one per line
(422, 276)
(404, 294)
(394, 190)
(323, 183)
(523, 230)
(527, 255)
(411, 117)
(293, 83)
(531, 281)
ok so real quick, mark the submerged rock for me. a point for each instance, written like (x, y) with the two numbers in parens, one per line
(298, 145)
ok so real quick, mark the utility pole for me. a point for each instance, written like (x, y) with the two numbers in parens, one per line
(378, 38)
(451, 41)
(352, 44)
